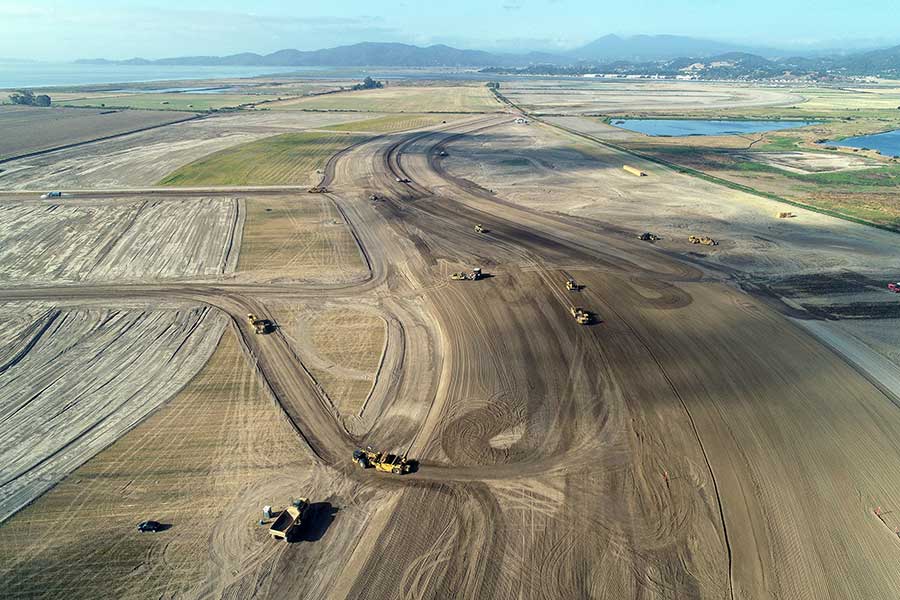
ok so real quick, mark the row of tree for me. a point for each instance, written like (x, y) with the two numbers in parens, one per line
(27, 98)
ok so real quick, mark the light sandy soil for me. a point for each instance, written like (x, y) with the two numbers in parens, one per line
(145, 158)
(75, 379)
(549, 170)
(302, 237)
(118, 239)
(811, 162)
(341, 346)
(593, 96)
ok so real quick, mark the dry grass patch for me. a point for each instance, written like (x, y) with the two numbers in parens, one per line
(393, 99)
(302, 238)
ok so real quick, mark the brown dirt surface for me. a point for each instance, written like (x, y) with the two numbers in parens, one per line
(27, 129)
(103, 239)
(302, 237)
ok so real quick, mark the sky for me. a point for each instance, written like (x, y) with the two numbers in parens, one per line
(70, 29)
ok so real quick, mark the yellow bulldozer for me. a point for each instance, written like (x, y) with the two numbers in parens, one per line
(479, 228)
(572, 286)
(702, 239)
(318, 189)
(582, 317)
(474, 275)
(260, 326)
(381, 461)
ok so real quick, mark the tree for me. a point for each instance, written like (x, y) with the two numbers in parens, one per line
(25, 97)
(42, 100)
(368, 84)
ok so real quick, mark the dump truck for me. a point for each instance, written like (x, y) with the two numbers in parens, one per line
(648, 237)
(894, 287)
(381, 461)
(582, 317)
(634, 171)
(479, 228)
(702, 239)
(260, 325)
(474, 275)
(289, 519)
(318, 189)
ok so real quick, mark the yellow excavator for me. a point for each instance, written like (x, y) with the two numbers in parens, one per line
(381, 461)
(702, 239)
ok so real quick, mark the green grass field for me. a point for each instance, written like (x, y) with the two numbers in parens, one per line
(287, 159)
(394, 99)
(196, 102)
(391, 123)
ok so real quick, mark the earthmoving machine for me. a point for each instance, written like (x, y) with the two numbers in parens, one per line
(374, 197)
(582, 317)
(402, 179)
(318, 189)
(634, 171)
(479, 228)
(704, 240)
(51, 195)
(442, 153)
(894, 287)
(571, 285)
(289, 519)
(381, 461)
(474, 275)
(648, 237)
(260, 325)
(785, 215)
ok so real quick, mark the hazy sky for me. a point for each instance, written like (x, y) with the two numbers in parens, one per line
(69, 29)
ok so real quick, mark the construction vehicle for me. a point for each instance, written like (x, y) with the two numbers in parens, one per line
(318, 189)
(648, 237)
(572, 286)
(381, 461)
(260, 326)
(289, 519)
(442, 153)
(402, 179)
(51, 195)
(374, 197)
(582, 317)
(894, 287)
(634, 171)
(704, 240)
(785, 215)
(479, 228)
(474, 275)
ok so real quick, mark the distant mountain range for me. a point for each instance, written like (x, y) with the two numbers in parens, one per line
(642, 54)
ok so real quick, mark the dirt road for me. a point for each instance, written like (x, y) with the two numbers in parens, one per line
(690, 443)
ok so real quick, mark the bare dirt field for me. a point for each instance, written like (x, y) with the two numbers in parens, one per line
(142, 159)
(27, 129)
(115, 239)
(75, 379)
(341, 346)
(300, 237)
(393, 99)
(706, 434)
(204, 464)
(607, 97)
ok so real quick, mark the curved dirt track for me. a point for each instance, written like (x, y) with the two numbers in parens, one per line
(692, 443)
